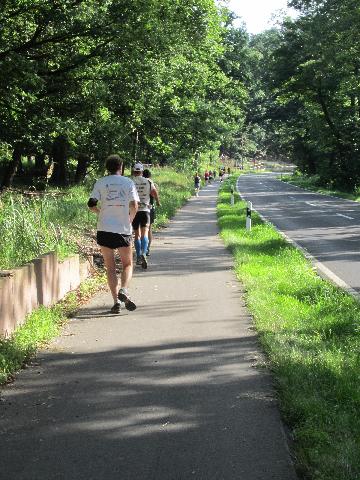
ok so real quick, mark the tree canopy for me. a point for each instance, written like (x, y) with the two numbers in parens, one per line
(172, 81)
(139, 77)
(308, 76)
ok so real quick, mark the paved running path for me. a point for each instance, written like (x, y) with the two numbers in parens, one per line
(168, 392)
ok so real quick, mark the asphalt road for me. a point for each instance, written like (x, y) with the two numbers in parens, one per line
(167, 392)
(327, 227)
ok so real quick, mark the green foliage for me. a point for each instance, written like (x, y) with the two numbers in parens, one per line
(138, 78)
(30, 227)
(303, 91)
(40, 327)
(310, 332)
(316, 72)
(316, 184)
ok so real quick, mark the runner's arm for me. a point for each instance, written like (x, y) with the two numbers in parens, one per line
(92, 204)
(154, 193)
(133, 208)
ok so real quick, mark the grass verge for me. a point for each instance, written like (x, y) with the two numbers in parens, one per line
(56, 221)
(312, 183)
(40, 327)
(32, 226)
(309, 330)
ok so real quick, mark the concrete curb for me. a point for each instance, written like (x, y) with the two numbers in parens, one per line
(43, 281)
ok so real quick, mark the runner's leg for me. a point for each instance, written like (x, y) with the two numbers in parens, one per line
(150, 240)
(144, 239)
(109, 260)
(137, 242)
(126, 275)
(127, 265)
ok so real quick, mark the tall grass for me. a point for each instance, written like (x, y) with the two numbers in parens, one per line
(310, 331)
(31, 226)
(55, 221)
(174, 189)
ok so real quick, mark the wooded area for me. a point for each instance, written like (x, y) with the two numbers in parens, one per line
(307, 99)
(171, 82)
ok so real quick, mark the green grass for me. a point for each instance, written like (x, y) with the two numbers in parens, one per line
(56, 221)
(40, 327)
(309, 330)
(312, 183)
(32, 226)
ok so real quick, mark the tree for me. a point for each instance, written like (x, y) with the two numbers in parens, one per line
(140, 78)
(317, 78)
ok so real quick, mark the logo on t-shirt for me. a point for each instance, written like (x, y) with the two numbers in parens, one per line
(114, 192)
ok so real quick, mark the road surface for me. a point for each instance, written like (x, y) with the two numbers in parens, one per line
(327, 227)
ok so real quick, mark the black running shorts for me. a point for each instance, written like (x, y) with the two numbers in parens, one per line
(113, 240)
(142, 219)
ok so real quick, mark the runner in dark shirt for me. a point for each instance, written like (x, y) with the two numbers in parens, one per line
(147, 174)
(197, 181)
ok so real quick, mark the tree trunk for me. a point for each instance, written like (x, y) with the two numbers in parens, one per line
(83, 162)
(59, 155)
(12, 167)
(355, 99)
(40, 162)
(329, 121)
(135, 145)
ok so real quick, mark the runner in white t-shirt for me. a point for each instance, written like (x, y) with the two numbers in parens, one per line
(141, 223)
(118, 199)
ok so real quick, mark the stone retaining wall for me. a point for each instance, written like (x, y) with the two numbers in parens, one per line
(44, 281)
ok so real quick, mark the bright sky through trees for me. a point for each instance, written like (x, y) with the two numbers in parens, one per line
(257, 14)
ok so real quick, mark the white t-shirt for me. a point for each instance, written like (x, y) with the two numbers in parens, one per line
(114, 193)
(143, 187)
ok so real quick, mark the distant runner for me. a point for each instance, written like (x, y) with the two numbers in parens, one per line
(206, 177)
(197, 181)
(118, 205)
(147, 174)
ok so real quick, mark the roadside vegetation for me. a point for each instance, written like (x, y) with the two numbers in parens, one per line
(315, 184)
(59, 220)
(309, 330)
(33, 225)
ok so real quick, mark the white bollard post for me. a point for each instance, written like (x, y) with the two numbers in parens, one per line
(248, 216)
(232, 199)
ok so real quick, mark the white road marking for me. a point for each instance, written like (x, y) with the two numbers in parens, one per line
(345, 216)
(311, 204)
